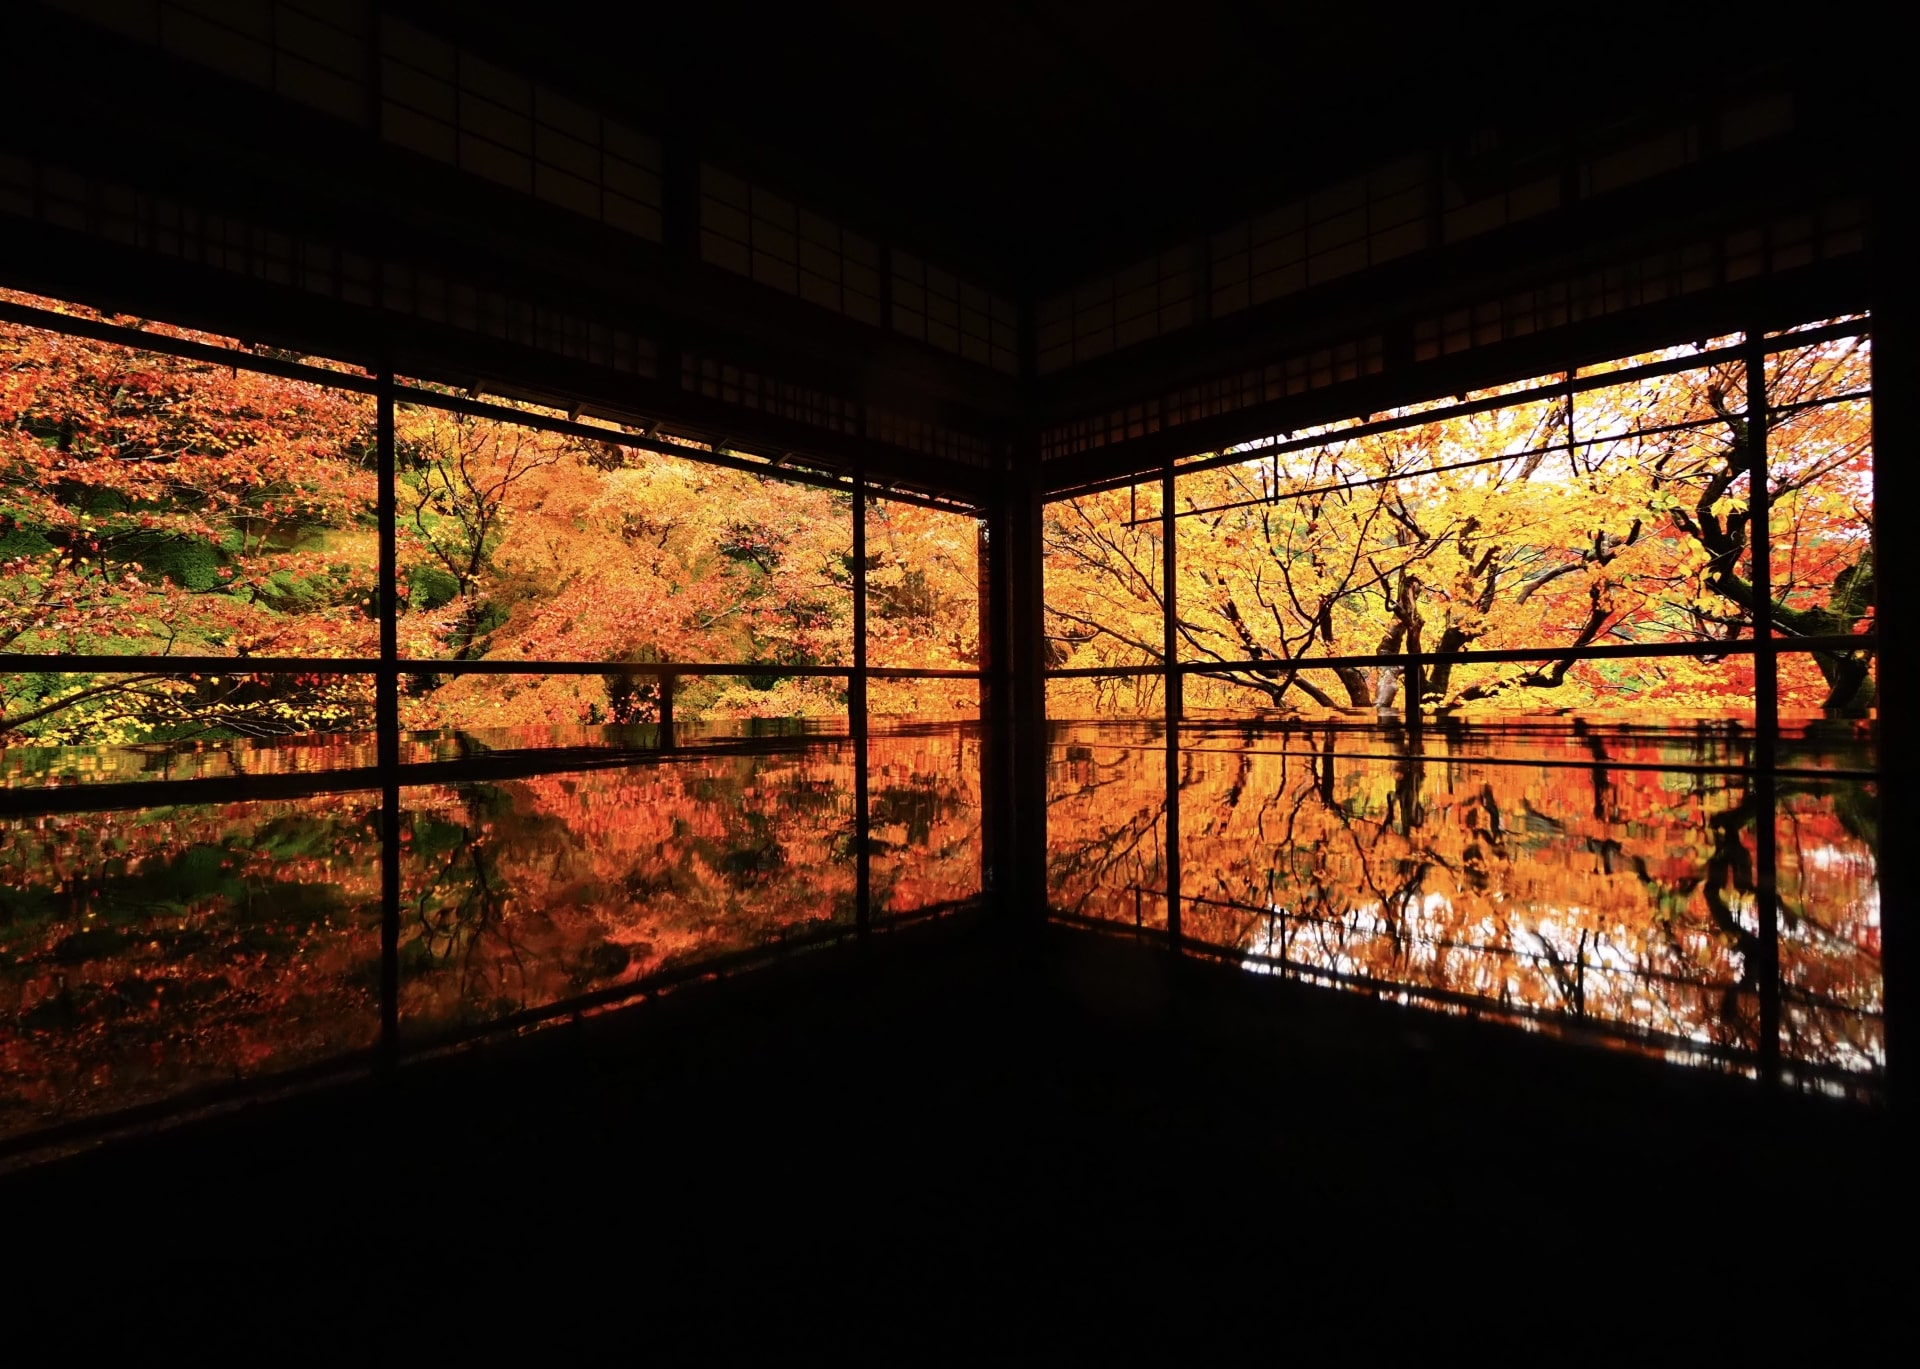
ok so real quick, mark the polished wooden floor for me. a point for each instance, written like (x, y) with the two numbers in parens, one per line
(990, 1141)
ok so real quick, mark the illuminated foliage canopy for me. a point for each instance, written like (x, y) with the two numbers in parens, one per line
(152, 505)
(1615, 517)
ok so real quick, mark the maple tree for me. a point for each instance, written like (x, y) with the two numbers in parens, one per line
(923, 608)
(1615, 515)
(521, 544)
(152, 505)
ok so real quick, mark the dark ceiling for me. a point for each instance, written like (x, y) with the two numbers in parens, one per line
(1032, 142)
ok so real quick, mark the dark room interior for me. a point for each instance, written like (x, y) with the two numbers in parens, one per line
(922, 680)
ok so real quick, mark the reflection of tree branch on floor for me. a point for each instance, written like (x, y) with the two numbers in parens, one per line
(1731, 864)
(468, 918)
(1097, 857)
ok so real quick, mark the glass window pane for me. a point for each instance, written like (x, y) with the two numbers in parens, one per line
(1481, 532)
(1105, 696)
(151, 504)
(923, 587)
(1649, 408)
(1840, 367)
(1292, 693)
(922, 700)
(523, 544)
(65, 727)
(1828, 685)
(1103, 578)
(445, 714)
(1820, 524)
(1291, 556)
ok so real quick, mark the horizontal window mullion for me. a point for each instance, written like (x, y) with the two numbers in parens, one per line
(38, 662)
(188, 665)
(1546, 390)
(1743, 646)
(427, 665)
(121, 796)
(140, 340)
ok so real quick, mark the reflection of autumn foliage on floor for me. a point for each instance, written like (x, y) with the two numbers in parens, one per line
(532, 891)
(1106, 822)
(145, 954)
(925, 803)
(1829, 922)
(1580, 889)
(1505, 882)
(27, 767)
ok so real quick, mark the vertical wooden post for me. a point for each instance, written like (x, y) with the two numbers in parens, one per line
(1020, 602)
(989, 694)
(387, 723)
(1172, 693)
(1766, 712)
(857, 711)
(1896, 436)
